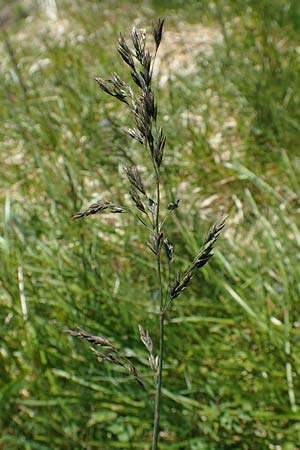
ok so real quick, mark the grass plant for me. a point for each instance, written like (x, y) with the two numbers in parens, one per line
(150, 211)
(231, 364)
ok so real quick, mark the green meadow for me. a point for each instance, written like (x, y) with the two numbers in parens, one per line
(228, 92)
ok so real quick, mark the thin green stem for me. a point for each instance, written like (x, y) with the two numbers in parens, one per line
(157, 404)
(157, 226)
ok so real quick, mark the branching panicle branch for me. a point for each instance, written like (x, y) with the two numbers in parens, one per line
(99, 207)
(110, 354)
(95, 340)
(181, 283)
(206, 251)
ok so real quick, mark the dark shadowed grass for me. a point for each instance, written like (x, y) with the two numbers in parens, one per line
(232, 344)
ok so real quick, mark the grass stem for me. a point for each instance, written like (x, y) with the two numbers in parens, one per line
(157, 404)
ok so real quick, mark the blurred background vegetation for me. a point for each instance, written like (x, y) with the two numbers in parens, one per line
(228, 90)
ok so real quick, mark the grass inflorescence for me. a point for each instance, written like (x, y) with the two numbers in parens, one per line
(151, 136)
(227, 86)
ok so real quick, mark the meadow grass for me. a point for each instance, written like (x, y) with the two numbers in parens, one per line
(232, 343)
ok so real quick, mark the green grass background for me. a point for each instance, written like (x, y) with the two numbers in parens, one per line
(231, 377)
